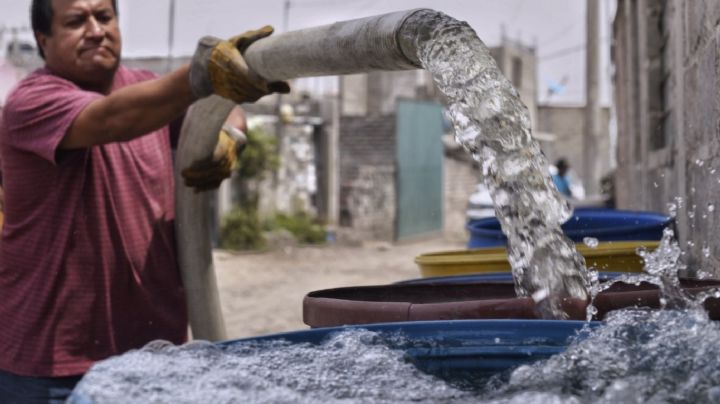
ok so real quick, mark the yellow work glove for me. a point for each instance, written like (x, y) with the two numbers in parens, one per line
(207, 174)
(219, 68)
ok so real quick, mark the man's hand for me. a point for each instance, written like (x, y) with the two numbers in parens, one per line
(207, 174)
(219, 68)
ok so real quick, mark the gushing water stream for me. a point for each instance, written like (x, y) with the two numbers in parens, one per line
(494, 125)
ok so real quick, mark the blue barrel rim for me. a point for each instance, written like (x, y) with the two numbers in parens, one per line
(476, 226)
(442, 327)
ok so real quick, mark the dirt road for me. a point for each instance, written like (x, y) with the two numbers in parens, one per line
(262, 293)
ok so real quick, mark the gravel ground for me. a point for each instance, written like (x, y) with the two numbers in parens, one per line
(261, 293)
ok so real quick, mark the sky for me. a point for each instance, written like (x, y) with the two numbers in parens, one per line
(556, 27)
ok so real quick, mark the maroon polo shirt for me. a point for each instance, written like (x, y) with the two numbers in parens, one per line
(87, 259)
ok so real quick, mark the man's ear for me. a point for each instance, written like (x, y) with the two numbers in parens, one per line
(41, 40)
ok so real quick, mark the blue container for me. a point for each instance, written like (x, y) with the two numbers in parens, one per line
(460, 350)
(602, 224)
(485, 277)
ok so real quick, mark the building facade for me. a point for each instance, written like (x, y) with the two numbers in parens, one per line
(667, 92)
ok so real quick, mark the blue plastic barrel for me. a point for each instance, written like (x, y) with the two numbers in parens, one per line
(602, 224)
(460, 350)
(485, 277)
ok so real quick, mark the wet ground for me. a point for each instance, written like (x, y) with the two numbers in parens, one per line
(262, 293)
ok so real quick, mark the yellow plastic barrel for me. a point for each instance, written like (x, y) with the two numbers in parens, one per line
(611, 256)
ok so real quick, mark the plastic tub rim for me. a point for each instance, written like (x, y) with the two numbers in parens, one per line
(598, 232)
(399, 325)
(480, 254)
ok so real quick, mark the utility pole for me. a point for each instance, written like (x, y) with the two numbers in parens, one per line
(171, 34)
(592, 100)
(279, 175)
(333, 166)
(286, 15)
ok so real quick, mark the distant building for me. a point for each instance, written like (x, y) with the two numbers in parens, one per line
(369, 104)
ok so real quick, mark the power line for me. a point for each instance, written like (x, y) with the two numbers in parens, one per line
(560, 34)
(564, 52)
(570, 50)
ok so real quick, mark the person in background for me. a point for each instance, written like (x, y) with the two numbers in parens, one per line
(88, 265)
(561, 180)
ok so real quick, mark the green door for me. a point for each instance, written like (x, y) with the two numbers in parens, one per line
(419, 169)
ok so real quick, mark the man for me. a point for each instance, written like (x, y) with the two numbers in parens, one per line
(560, 179)
(87, 257)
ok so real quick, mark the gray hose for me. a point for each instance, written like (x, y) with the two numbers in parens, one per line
(192, 225)
(384, 42)
(356, 46)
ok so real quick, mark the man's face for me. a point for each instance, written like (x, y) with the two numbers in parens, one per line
(84, 42)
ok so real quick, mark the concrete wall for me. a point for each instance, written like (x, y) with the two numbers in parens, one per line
(668, 103)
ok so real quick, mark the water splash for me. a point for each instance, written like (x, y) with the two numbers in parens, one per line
(661, 268)
(351, 367)
(493, 124)
(637, 356)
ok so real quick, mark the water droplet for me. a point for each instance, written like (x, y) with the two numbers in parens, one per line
(706, 251)
(655, 184)
(699, 163)
(540, 295)
(711, 207)
(591, 242)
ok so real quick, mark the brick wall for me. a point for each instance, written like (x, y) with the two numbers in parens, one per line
(367, 175)
(667, 91)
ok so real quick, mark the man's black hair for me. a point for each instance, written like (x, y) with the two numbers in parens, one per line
(41, 14)
(562, 165)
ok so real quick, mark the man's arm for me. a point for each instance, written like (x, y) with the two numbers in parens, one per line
(131, 111)
(236, 118)
(216, 68)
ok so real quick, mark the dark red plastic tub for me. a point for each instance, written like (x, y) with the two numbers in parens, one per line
(482, 300)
